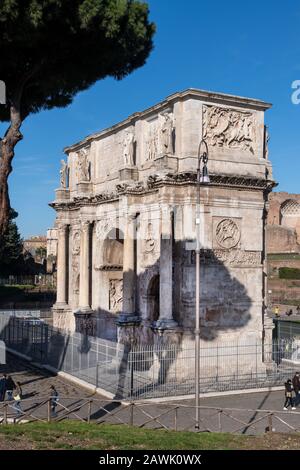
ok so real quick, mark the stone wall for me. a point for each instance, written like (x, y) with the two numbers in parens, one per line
(283, 234)
(128, 221)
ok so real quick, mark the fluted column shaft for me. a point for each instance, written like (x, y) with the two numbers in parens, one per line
(129, 275)
(166, 265)
(84, 284)
(62, 263)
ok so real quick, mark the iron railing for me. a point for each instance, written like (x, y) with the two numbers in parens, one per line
(156, 370)
(171, 416)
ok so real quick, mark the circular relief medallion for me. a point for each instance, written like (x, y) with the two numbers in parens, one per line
(227, 233)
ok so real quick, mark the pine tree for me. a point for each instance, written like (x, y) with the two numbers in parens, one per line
(11, 248)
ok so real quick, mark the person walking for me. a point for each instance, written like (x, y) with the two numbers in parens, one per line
(296, 387)
(288, 395)
(10, 387)
(18, 397)
(2, 387)
(54, 398)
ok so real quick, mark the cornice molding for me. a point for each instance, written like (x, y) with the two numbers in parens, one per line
(155, 182)
(206, 96)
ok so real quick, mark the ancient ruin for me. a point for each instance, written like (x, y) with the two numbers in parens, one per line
(126, 224)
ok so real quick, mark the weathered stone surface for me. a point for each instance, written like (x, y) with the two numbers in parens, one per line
(133, 186)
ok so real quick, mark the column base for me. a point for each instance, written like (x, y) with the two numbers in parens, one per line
(127, 320)
(60, 306)
(164, 324)
(83, 311)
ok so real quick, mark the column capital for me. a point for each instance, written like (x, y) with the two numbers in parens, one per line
(63, 227)
(85, 225)
(130, 217)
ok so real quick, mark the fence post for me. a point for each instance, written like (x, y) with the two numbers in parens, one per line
(219, 420)
(131, 373)
(89, 411)
(131, 414)
(175, 419)
(270, 422)
(97, 373)
(5, 414)
(49, 410)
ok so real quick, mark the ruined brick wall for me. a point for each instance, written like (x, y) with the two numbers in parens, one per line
(283, 232)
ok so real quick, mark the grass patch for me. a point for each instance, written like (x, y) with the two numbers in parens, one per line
(78, 435)
(283, 256)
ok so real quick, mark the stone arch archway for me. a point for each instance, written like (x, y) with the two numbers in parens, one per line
(290, 215)
(153, 299)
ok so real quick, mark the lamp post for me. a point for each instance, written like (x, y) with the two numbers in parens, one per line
(202, 178)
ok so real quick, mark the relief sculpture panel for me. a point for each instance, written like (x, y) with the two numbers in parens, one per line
(228, 128)
(115, 295)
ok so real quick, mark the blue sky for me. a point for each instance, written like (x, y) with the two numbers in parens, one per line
(249, 49)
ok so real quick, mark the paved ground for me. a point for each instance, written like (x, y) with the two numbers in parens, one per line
(36, 384)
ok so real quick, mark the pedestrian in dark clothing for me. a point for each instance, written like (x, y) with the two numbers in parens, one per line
(296, 387)
(288, 395)
(2, 387)
(10, 387)
(54, 398)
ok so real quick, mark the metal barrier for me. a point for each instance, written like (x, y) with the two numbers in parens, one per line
(176, 417)
(157, 370)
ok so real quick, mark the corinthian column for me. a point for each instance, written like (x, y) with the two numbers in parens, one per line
(129, 274)
(62, 263)
(166, 320)
(84, 284)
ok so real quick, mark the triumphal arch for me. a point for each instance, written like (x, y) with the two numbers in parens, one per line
(126, 221)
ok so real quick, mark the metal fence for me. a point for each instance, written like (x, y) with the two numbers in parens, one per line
(146, 415)
(30, 280)
(157, 370)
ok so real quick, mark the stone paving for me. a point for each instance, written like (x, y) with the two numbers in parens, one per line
(36, 382)
(36, 386)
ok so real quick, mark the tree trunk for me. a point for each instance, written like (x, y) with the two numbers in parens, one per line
(7, 152)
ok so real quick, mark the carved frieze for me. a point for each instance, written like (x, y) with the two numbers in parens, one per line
(76, 243)
(238, 257)
(233, 257)
(115, 295)
(229, 128)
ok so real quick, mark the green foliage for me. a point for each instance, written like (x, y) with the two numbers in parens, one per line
(283, 256)
(41, 251)
(11, 248)
(289, 273)
(55, 48)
